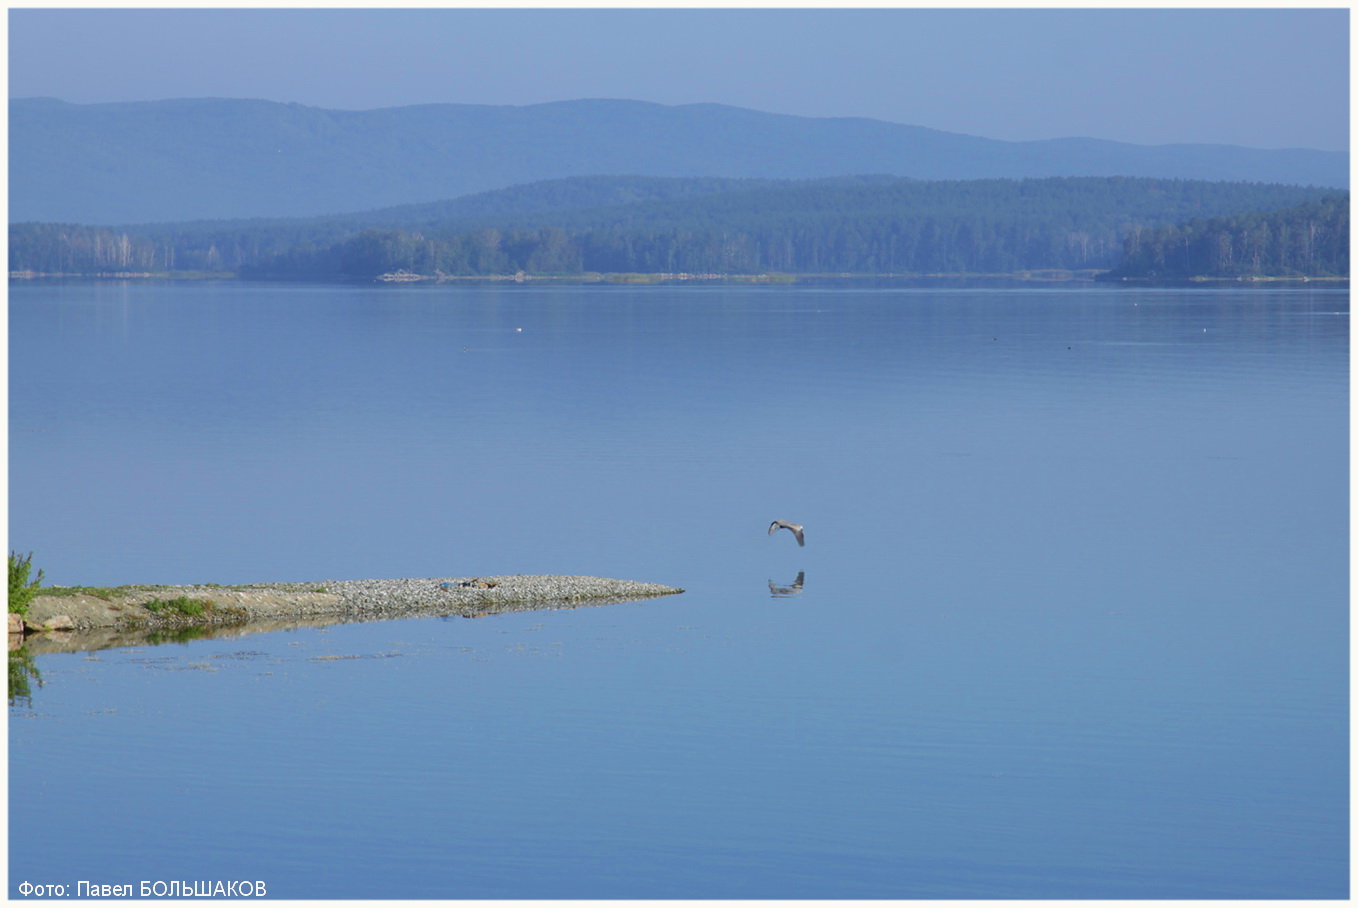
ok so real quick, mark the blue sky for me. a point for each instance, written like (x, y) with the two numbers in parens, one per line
(1258, 77)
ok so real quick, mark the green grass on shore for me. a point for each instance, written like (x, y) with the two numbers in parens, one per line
(184, 605)
(101, 592)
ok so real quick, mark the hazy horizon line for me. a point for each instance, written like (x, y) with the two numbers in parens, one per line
(643, 101)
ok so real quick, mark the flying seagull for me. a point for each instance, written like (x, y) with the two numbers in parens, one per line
(796, 529)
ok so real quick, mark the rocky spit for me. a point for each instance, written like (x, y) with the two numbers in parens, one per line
(118, 612)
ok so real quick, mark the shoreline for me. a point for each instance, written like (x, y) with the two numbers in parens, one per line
(62, 616)
(584, 277)
(398, 278)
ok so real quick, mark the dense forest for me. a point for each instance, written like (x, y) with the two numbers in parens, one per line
(861, 225)
(1309, 240)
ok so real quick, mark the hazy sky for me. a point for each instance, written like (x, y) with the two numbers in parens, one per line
(1264, 78)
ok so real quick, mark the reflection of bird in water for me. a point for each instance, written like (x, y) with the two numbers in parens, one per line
(796, 529)
(792, 590)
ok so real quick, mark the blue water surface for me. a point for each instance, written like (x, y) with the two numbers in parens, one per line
(1072, 619)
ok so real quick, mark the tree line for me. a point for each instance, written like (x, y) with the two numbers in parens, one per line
(1309, 240)
(856, 225)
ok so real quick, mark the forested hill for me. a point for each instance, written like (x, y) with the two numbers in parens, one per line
(865, 225)
(218, 158)
(1306, 240)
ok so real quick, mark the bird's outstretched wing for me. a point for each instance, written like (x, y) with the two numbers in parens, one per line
(784, 525)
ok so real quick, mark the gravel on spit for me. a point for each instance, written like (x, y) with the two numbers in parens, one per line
(516, 588)
(76, 619)
(348, 600)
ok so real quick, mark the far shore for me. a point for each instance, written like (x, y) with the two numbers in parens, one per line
(79, 618)
(1036, 275)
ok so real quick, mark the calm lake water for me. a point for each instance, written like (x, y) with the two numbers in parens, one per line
(1072, 619)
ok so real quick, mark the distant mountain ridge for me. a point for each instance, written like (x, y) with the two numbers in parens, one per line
(189, 159)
